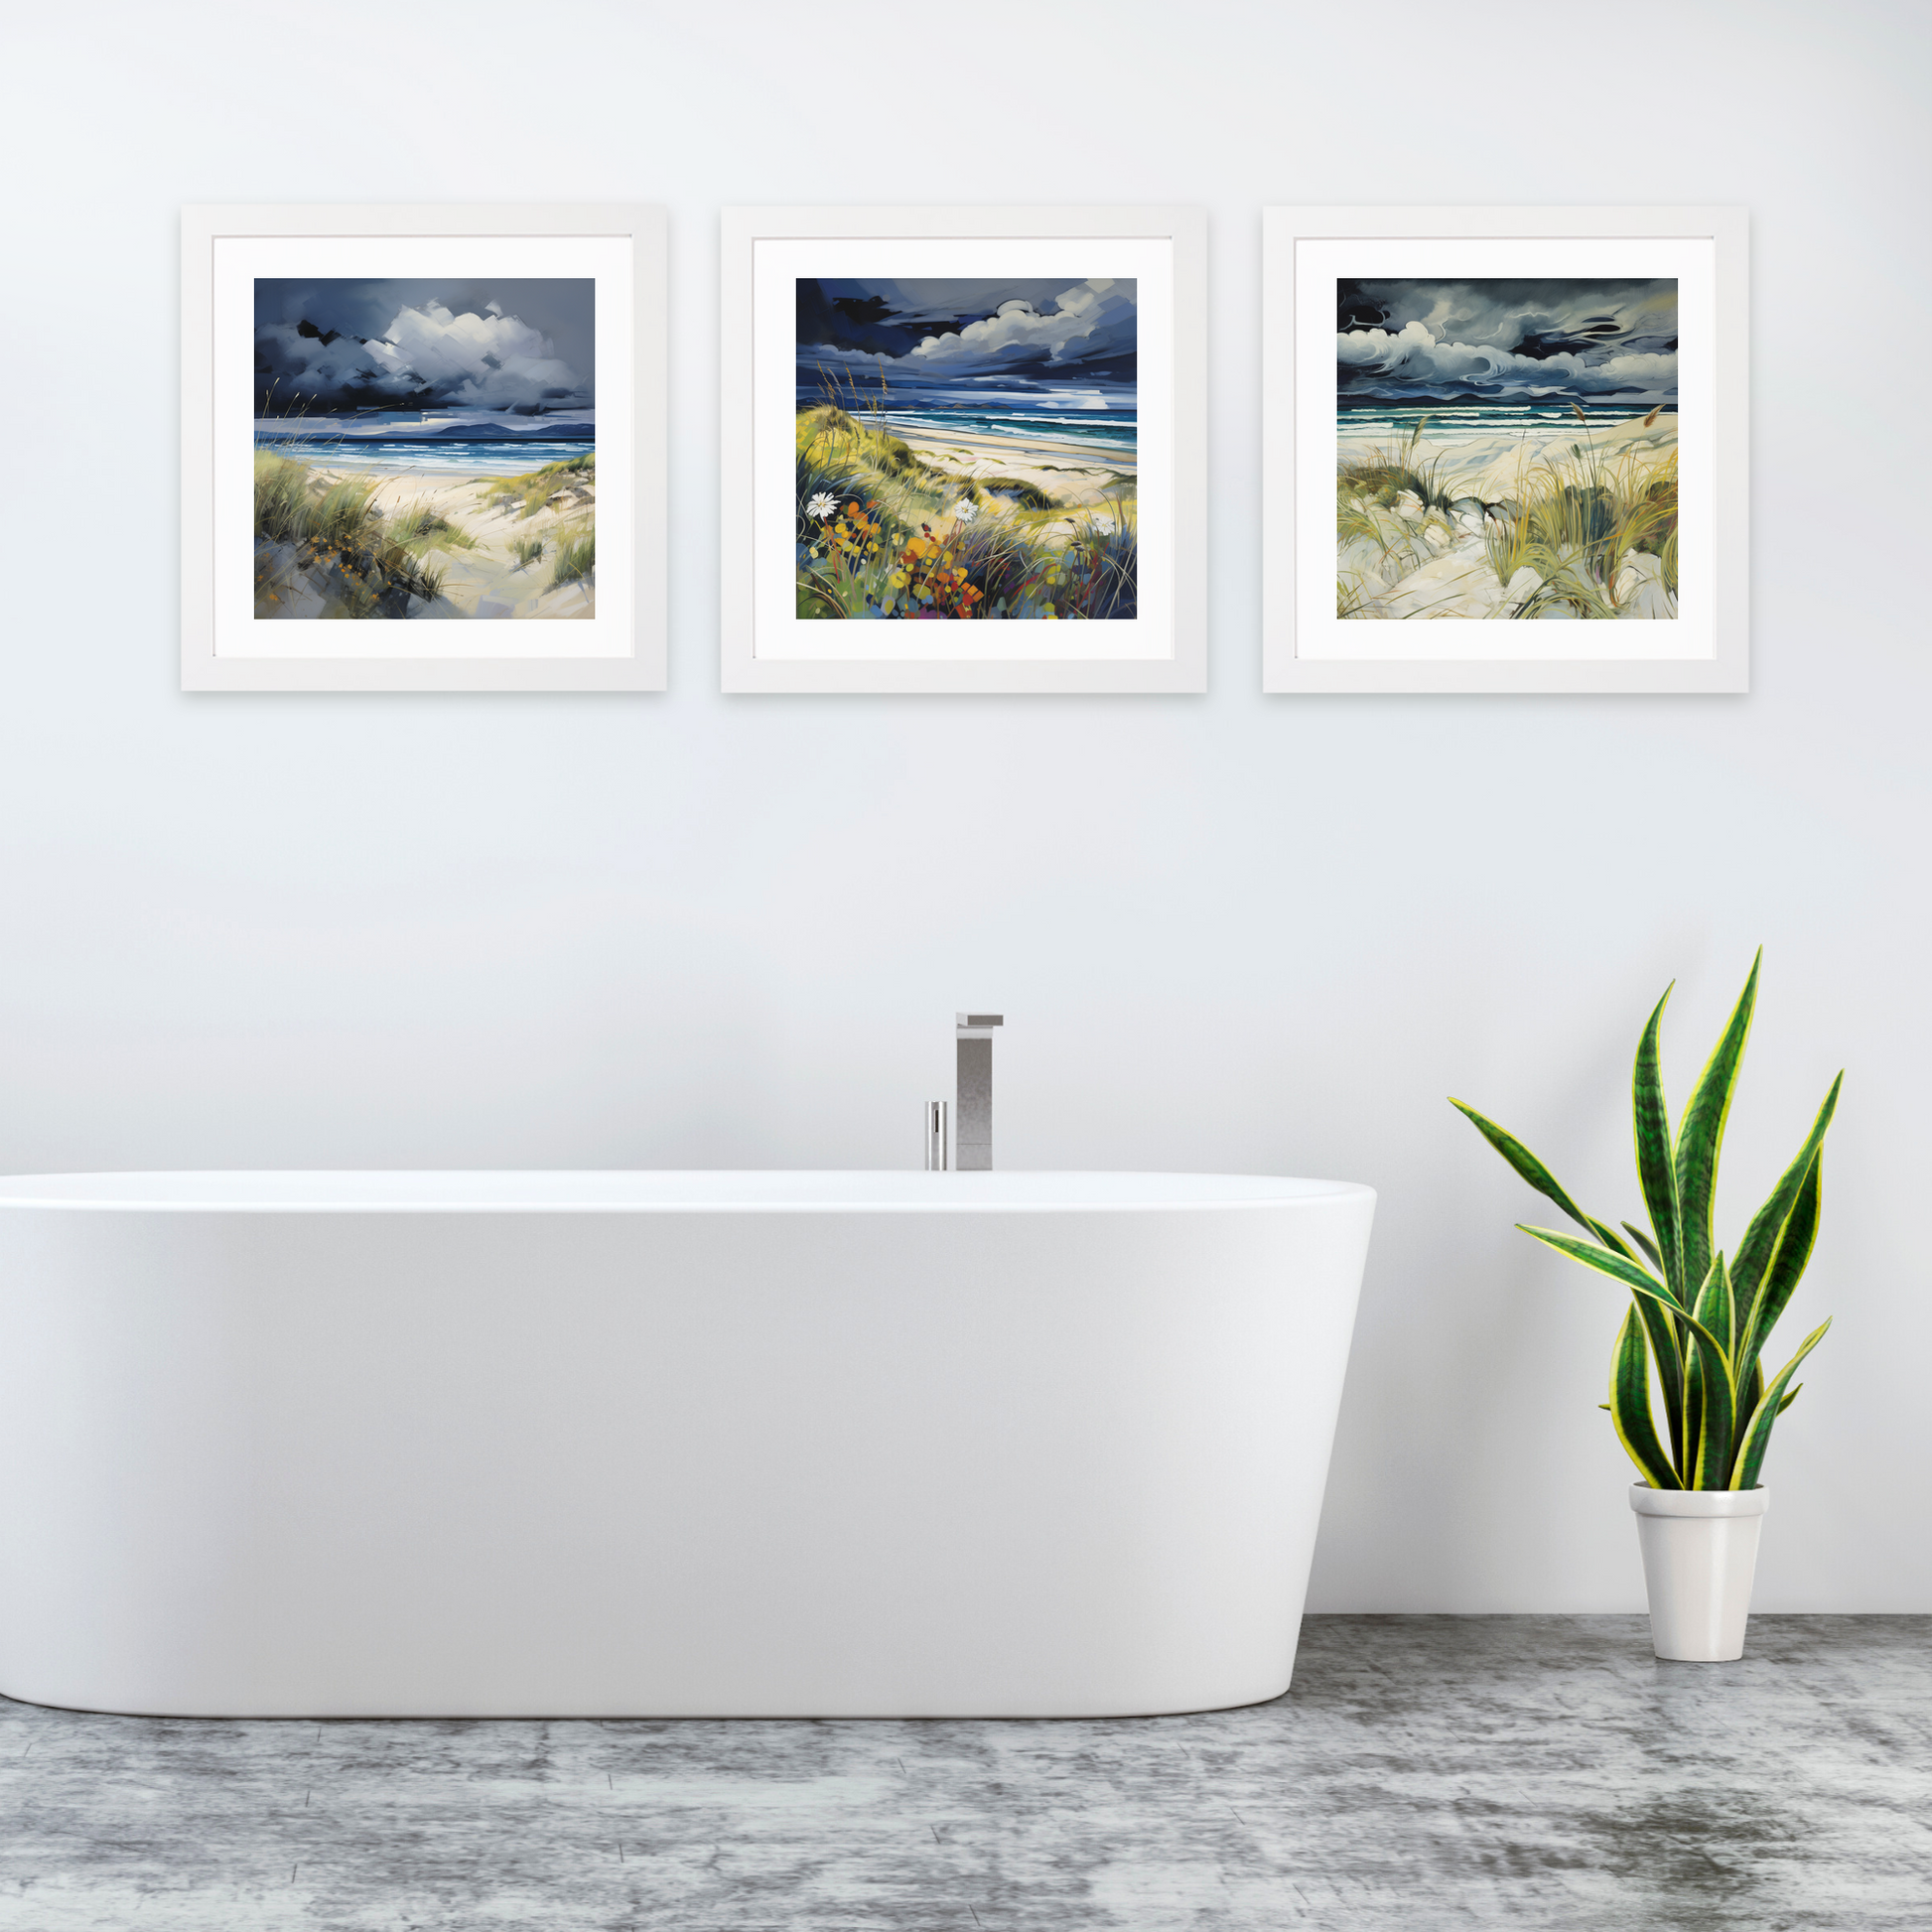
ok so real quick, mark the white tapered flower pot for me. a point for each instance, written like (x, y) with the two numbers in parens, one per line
(1700, 1553)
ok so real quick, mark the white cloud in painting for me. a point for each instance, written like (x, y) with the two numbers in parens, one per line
(1414, 353)
(1658, 371)
(1094, 318)
(482, 362)
(308, 365)
(477, 361)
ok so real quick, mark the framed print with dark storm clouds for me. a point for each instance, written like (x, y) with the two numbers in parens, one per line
(963, 450)
(423, 449)
(1505, 450)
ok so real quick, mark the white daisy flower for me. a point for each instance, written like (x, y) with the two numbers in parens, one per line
(822, 505)
(1104, 524)
(965, 511)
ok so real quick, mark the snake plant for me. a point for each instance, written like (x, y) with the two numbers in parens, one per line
(1700, 1321)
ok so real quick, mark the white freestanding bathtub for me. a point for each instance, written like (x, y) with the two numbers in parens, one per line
(721, 1445)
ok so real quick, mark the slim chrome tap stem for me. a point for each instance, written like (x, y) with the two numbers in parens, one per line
(937, 1153)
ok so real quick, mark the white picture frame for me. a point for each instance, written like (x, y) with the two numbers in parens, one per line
(768, 647)
(613, 636)
(1308, 645)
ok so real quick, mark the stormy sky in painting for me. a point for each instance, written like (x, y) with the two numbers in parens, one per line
(1495, 341)
(967, 338)
(526, 347)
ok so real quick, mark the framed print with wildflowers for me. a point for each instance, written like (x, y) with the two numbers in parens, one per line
(423, 449)
(963, 450)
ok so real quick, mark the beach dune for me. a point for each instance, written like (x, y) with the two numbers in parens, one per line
(1459, 536)
(1499, 463)
(1076, 474)
(481, 577)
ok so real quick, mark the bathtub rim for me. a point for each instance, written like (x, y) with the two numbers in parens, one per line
(736, 1191)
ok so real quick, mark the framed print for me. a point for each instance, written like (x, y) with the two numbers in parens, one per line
(423, 449)
(963, 450)
(1505, 450)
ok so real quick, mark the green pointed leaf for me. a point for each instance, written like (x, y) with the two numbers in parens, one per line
(1717, 1305)
(1629, 1405)
(1756, 1437)
(1699, 1137)
(1790, 1396)
(1716, 1423)
(1693, 1431)
(1707, 1373)
(1612, 1240)
(1706, 1368)
(1644, 1242)
(1656, 1166)
(1693, 1414)
(1781, 1234)
(1667, 1349)
(1786, 1267)
(1526, 1164)
(1694, 1382)
(1711, 1387)
(1619, 1268)
(1761, 1237)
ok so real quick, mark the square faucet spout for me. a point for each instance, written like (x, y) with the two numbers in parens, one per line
(973, 1098)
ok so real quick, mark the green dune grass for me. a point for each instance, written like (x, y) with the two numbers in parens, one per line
(882, 533)
(334, 538)
(1574, 522)
(534, 488)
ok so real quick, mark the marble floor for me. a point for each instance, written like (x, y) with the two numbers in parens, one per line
(1424, 1773)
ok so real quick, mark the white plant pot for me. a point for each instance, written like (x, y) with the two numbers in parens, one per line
(1700, 1553)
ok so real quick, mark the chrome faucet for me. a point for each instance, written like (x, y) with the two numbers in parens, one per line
(973, 1103)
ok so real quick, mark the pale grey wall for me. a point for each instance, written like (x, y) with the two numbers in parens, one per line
(1227, 933)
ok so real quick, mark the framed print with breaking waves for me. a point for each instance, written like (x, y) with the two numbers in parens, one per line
(423, 449)
(963, 450)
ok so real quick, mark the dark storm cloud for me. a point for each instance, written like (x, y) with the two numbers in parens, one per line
(932, 329)
(1495, 339)
(527, 346)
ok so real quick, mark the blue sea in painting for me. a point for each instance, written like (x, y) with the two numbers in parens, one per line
(1110, 430)
(430, 459)
(1468, 422)
(457, 443)
(1049, 360)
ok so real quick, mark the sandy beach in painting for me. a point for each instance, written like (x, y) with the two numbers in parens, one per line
(1069, 472)
(1506, 448)
(1535, 523)
(1499, 464)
